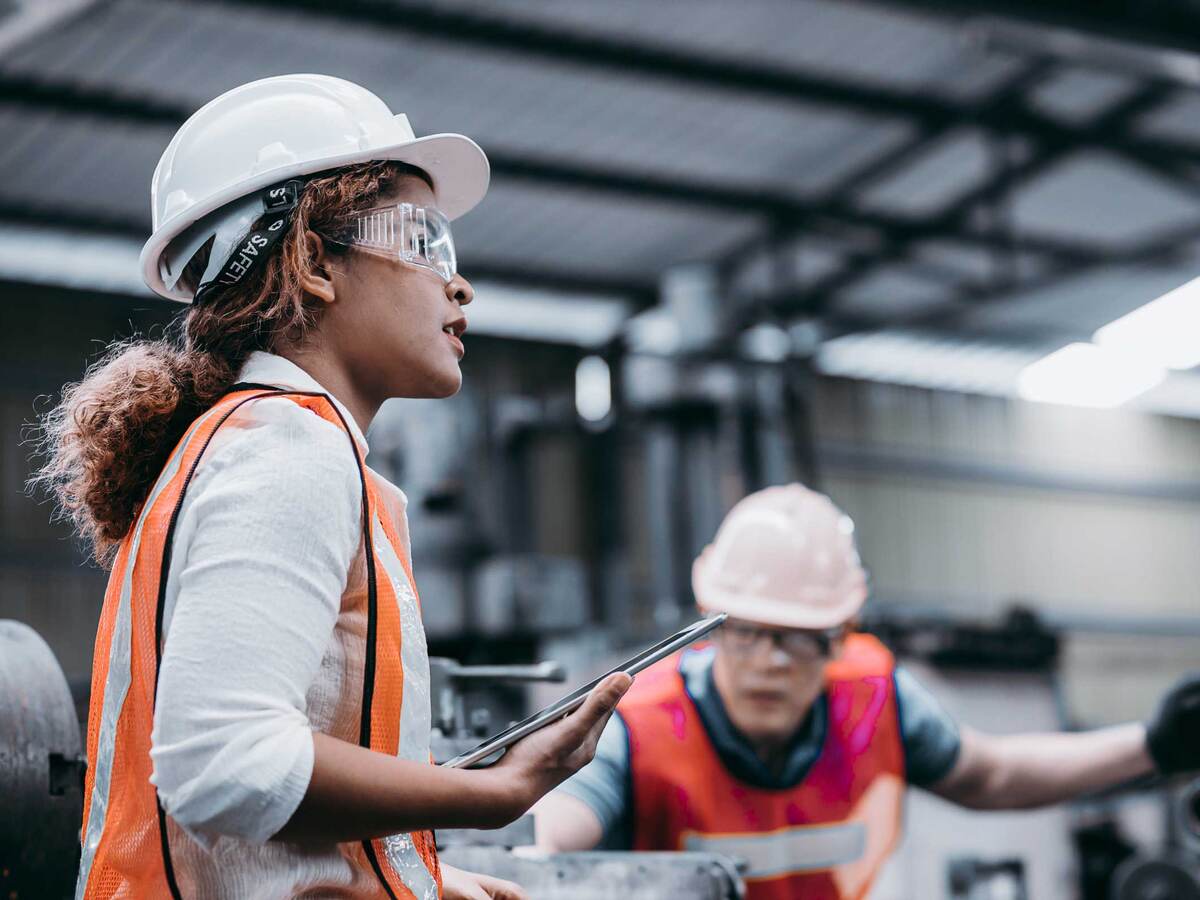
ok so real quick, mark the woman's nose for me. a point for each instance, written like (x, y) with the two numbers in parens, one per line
(459, 290)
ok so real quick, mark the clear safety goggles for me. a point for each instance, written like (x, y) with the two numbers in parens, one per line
(801, 645)
(417, 235)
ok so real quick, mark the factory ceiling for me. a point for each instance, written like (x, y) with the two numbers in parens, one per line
(959, 168)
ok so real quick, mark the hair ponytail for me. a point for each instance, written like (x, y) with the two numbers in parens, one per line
(110, 435)
(106, 441)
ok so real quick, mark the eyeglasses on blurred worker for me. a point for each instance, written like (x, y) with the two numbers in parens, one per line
(790, 740)
(260, 719)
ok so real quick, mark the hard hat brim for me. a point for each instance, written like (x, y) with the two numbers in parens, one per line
(770, 612)
(457, 166)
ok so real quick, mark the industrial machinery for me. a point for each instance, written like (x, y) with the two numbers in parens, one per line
(41, 770)
(577, 876)
(969, 878)
(41, 783)
(1173, 871)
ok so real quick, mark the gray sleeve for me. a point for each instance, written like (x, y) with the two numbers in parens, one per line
(930, 736)
(601, 783)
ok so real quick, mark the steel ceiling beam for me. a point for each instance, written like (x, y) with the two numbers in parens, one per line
(1162, 248)
(890, 162)
(816, 298)
(832, 217)
(1155, 25)
(665, 62)
(1006, 120)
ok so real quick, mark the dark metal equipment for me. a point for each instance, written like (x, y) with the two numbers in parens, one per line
(969, 878)
(1019, 641)
(455, 728)
(41, 770)
(1187, 817)
(1100, 846)
(1165, 877)
(577, 876)
(1113, 868)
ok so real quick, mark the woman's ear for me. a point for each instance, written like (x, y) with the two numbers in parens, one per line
(317, 280)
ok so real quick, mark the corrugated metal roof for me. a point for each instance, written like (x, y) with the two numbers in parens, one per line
(948, 168)
(1077, 95)
(1082, 304)
(565, 230)
(1097, 196)
(872, 45)
(605, 117)
(892, 291)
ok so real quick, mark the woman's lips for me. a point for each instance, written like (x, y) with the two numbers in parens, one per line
(456, 344)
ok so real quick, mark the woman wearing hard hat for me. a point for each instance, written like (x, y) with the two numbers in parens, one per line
(260, 719)
(789, 741)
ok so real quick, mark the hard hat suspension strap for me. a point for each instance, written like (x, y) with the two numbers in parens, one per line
(279, 204)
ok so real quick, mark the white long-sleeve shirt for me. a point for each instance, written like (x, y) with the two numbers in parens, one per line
(259, 648)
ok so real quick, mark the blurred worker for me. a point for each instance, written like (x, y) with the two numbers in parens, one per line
(788, 742)
(260, 719)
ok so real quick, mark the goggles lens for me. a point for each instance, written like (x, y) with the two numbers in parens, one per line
(744, 638)
(417, 235)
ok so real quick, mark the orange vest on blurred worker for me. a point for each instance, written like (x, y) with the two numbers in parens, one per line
(126, 852)
(823, 839)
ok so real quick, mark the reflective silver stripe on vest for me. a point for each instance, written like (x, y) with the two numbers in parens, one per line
(807, 848)
(415, 717)
(116, 683)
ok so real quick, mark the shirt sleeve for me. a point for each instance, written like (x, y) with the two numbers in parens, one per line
(266, 539)
(930, 736)
(601, 783)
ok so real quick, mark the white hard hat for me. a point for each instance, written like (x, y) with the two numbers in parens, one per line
(783, 556)
(275, 129)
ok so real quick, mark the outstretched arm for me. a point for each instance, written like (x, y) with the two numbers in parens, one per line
(1028, 770)
(1022, 771)
(592, 803)
(564, 823)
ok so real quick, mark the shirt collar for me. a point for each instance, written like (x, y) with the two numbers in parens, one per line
(268, 368)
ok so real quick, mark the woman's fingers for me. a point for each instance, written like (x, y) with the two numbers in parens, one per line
(499, 889)
(598, 707)
(546, 758)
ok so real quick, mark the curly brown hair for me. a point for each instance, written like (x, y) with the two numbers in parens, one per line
(111, 433)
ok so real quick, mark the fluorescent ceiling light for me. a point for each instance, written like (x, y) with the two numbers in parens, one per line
(1088, 375)
(593, 389)
(938, 362)
(899, 357)
(1165, 331)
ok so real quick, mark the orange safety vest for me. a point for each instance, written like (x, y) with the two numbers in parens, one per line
(126, 852)
(822, 839)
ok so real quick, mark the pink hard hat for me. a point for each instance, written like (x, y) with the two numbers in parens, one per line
(783, 556)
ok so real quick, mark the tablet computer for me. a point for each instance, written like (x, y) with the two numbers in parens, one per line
(574, 700)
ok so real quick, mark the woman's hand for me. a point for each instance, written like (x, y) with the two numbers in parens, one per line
(553, 754)
(356, 793)
(460, 885)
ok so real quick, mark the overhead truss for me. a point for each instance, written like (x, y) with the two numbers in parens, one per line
(1024, 144)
